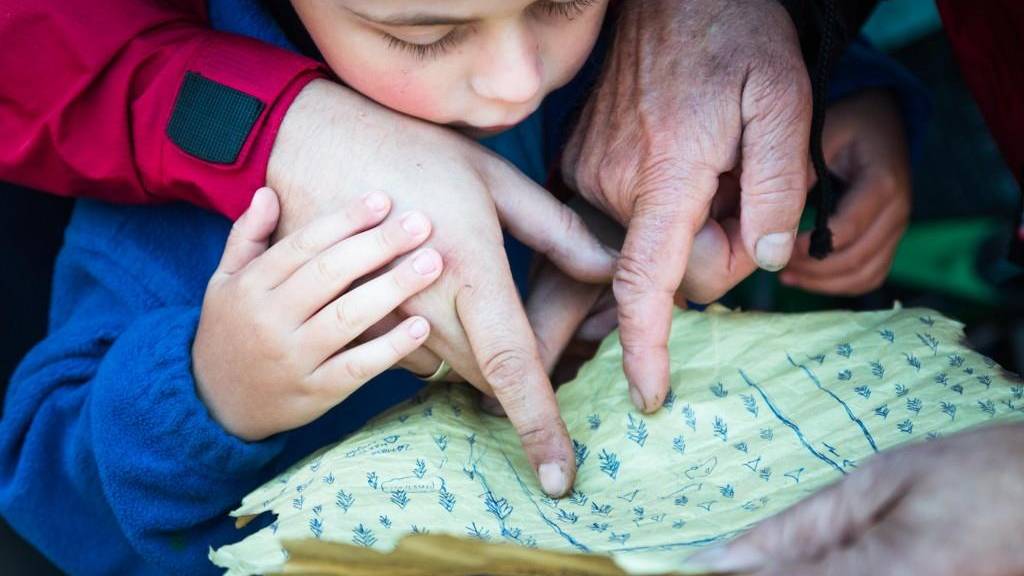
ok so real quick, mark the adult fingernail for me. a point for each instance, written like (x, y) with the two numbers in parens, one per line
(425, 262)
(637, 398)
(415, 224)
(418, 328)
(723, 559)
(552, 479)
(376, 202)
(773, 250)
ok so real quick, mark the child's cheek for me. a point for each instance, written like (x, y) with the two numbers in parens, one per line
(404, 91)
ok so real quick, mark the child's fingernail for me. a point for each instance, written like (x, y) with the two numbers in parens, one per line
(415, 224)
(376, 201)
(773, 250)
(552, 479)
(637, 398)
(425, 262)
(418, 328)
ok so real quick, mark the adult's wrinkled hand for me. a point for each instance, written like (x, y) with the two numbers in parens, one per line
(335, 146)
(946, 507)
(689, 90)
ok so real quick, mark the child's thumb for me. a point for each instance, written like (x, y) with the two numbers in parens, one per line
(250, 235)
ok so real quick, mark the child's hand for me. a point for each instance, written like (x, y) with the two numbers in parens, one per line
(271, 350)
(864, 144)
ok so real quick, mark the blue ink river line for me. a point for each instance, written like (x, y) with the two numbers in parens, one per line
(845, 406)
(790, 424)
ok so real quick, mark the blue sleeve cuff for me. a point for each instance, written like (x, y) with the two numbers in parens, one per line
(146, 409)
(863, 67)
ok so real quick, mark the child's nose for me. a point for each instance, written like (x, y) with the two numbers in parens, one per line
(511, 69)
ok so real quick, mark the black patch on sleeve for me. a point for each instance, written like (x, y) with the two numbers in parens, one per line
(212, 121)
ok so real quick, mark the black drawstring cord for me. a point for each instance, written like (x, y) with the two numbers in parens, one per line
(821, 237)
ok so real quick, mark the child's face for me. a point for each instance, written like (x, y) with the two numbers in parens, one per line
(480, 65)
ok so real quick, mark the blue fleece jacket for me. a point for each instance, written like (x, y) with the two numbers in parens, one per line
(109, 462)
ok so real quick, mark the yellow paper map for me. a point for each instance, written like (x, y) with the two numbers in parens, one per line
(764, 410)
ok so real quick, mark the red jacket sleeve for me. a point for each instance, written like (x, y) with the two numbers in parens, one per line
(89, 87)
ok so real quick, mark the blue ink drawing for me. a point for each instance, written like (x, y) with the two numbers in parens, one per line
(927, 320)
(765, 473)
(987, 407)
(877, 370)
(384, 521)
(819, 358)
(599, 527)
(594, 421)
(609, 463)
(845, 375)
(882, 411)
(316, 526)
(741, 446)
(478, 532)
(719, 390)
(941, 378)
(681, 501)
(619, 538)
(957, 388)
(863, 390)
(750, 403)
(767, 434)
(297, 502)
(372, 480)
(602, 510)
(399, 498)
(914, 405)
(887, 335)
(706, 505)
(420, 469)
(956, 360)
(929, 341)
(679, 444)
(728, 491)
(901, 390)
(499, 507)
(690, 417)
(578, 498)
(568, 517)
(721, 429)
(753, 464)
(844, 350)
(414, 529)
(441, 441)
(795, 474)
(362, 536)
(948, 409)
(912, 361)
(344, 500)
(636, 430)
(581, 451)
(446, 499)
(329, 479)
(986, 380)
(670, 400)
(906, 426)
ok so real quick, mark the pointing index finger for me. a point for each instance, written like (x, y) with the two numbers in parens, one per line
(506, 351)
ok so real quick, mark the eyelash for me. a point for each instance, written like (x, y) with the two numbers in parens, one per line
(569, 10)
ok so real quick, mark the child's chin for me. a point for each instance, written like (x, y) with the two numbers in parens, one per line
(477, 133)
